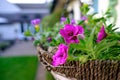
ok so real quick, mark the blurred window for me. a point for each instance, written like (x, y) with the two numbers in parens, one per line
(29, 1)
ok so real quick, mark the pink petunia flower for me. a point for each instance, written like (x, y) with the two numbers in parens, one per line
(70, 33)
(102, 34)
(35, 21)
(60, 56)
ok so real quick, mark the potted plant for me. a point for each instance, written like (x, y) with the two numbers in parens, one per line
(88, 50)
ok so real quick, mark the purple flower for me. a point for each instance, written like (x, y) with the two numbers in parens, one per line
(32, 38)
(35, 22)
(102, 34)
(72, 21)
(84, 18)
(60, 56)
(49, 39)
(70, 33)
(63, 19)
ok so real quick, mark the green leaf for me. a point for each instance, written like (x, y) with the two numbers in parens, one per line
(79, 47)
(73, 54)
(53, 42)
(108, 11)
(103, 45)
(83, 58)
(37, 29)
(70, 52)
(27, 33)
(80, 22)
(84, 9)
(68, 21)
(89, 41)
(82, 42)
(110, 28)
(36, 42)
(100, 19)
(114, 29)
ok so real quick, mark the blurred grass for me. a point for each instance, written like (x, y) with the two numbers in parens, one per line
(18, 68)
(49, 76)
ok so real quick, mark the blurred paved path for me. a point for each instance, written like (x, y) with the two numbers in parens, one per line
(20, 48)
(40, 73)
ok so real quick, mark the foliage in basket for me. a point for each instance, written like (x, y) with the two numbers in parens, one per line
(90, 39)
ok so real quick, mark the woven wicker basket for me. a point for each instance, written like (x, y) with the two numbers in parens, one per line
(92, 70)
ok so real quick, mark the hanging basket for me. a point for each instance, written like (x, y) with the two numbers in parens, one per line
(74, 70)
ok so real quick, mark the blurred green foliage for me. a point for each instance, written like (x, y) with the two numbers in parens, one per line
(50, 33)
(4, 45)
(88, 48)
(50, 20)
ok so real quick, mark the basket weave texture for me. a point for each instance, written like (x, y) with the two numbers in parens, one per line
(92, 70)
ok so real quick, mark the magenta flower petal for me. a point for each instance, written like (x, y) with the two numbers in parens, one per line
(79, 30)
(62, 32)
(60, 56)
(74, 39)
(56, 62)
(69, 28)
(70, 33)
(35, 21)
(102, 34)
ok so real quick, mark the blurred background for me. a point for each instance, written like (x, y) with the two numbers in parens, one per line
(18, 56)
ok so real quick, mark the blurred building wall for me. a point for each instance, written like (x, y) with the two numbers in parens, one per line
(9, 31)
(102, 6)
(118, 15)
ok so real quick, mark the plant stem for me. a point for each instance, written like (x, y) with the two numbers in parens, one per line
(93, 55)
